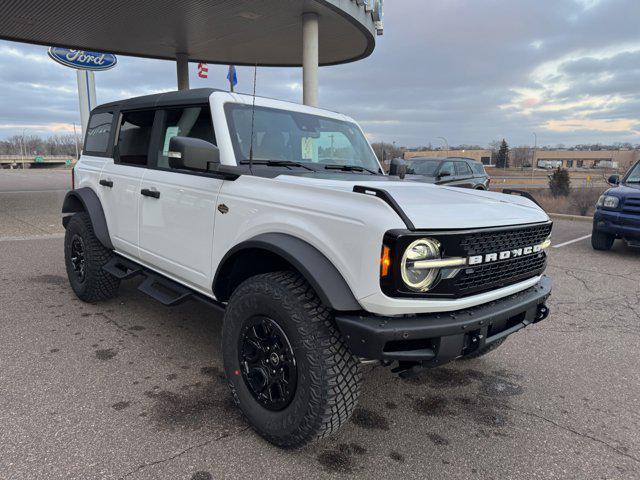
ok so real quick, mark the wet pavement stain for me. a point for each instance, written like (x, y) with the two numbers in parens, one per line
(106, 354)
(54, 350)
(369, 419)
(137, 328)
(396, 456)
(391, 405)
(172, 376)
(195, 409)
(202, 475)
(214, 373)
(120, 405)
(437, 439)
(341, 458)
(441, 378)
(433, 406)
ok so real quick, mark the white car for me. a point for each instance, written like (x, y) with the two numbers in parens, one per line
(281, 215)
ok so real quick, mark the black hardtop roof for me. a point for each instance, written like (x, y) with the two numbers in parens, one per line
(442, 159)
(177, 97)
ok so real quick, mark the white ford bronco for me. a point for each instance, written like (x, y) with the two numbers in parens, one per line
(281, 215)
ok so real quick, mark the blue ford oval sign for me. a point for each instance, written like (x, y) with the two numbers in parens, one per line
(81, 59)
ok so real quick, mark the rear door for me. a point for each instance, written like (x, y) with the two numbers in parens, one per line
(177, 208)
(120, 179)
(464, 175)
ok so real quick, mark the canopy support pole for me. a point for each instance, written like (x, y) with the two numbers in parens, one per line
(310, 59)
(182, 69)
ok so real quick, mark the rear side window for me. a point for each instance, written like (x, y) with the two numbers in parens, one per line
(462, 168)
(478, 168)
(193, 122)
(98, 133)
(134, 137)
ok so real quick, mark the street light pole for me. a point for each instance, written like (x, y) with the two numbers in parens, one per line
(446, 142)
(22, 149)
(533, 159)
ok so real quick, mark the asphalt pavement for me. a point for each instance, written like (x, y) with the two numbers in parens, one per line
(131, 389)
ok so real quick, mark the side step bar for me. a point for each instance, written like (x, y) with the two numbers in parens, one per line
(122, 268)
(167, 292)
(157, 286)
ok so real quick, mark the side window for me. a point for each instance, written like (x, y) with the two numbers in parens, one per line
(478, 168)
(134, 137)
(447, 167)
(98, 133)
(194, 122)
(463, 169)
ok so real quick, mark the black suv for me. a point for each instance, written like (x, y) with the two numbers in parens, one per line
(452, 171)
(618, 212)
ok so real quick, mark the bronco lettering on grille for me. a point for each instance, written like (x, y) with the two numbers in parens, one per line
(504, 255)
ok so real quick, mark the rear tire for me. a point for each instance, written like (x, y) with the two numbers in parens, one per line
(326, 386)
(601, 241)
(484, 350)
(84, 258)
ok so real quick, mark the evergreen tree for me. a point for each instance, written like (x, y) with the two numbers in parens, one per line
(560, 183)
(502, 158)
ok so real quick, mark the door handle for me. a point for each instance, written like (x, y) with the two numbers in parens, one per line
(150, 193)
(106, 183)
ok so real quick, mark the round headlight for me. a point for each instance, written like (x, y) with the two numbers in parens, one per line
(420, 279)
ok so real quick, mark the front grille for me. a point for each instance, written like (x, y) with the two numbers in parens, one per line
(500, 274)
(501, 240)
(631, 205)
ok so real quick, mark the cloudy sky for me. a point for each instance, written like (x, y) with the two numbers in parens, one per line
(469, 70)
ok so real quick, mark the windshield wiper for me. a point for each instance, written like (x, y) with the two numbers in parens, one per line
(276, 163)
(350, 168)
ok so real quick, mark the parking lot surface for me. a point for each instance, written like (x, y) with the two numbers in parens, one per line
(131, 389)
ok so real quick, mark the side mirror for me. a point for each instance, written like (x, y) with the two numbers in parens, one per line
(187, 153)
(398, 168)
(444, 174)
(614, 180)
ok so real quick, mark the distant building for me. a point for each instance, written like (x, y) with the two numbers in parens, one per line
(483, 156)
(570, 159)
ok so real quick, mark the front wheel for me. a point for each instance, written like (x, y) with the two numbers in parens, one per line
(601, 241)
(288, 369)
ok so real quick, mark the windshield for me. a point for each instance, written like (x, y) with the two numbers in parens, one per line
(422, 167)
(634, 174)
(282, 135)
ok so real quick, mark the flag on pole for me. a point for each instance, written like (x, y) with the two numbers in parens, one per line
(232, 76)
(203, 70)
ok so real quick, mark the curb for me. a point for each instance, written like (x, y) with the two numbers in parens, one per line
(562, 216)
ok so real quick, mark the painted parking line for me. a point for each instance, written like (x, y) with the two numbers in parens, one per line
(572, 241)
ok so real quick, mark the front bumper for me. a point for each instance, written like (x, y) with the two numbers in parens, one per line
(620, 224)
(436, 338)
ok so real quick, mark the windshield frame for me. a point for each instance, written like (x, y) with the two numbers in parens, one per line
(634, 169)
(239, 155)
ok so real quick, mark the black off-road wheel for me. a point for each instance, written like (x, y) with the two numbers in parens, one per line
(481, 352)
(84, 258)
(601, 241)
(287, 366)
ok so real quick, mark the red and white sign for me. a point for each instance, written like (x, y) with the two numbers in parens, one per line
(203, 70)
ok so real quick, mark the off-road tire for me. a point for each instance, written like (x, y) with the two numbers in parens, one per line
(328, 378)
(97, 284)
(481, 352)
(601, 240)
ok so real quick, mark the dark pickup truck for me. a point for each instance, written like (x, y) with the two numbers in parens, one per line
(618, 212)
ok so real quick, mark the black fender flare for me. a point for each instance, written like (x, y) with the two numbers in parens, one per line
(312, 264)
(86, 200)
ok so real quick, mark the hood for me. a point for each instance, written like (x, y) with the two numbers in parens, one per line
(626, 189)
(437, 207)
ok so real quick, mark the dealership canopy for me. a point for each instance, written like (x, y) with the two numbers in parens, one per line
(304, 33)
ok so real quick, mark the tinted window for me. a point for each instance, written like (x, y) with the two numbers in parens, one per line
(462, 168)
(422, 167)
(634, 174)
(194, 122)
(98, 133)
(134, 137)
(448, 168)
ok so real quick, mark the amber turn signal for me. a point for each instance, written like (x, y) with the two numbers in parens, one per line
(385, 261)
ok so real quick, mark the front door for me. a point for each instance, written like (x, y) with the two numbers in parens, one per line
(177, 210)
(120, 179)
